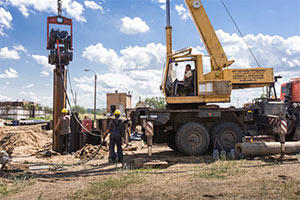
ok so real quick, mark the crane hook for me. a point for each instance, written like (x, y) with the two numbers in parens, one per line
(59, 8)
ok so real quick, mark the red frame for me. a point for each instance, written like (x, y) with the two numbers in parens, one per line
(65, 22)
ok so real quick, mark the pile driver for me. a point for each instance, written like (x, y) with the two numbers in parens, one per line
(60, 45)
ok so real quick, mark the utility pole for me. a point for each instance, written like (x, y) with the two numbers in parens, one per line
(95, 93)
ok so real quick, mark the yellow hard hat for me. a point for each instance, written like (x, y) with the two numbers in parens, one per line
(85, 115)
(64, 110)
(117, 112)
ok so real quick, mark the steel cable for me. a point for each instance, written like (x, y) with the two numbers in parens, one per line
(238, 29)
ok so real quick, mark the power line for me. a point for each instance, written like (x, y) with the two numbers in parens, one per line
(236, 26)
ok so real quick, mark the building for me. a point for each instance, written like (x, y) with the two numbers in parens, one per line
(121, 101)
(17, 110)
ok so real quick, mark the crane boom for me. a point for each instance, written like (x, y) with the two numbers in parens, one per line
(209, 37)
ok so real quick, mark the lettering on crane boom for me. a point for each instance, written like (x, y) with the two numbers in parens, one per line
(248, 75)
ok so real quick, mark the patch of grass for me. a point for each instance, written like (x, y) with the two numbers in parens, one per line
(277, 189)
(3, 188)
(212, 173)
(23, 176)
(108, 188)
(19, 182)
(219, 170)
(47, 117)
(142, 170)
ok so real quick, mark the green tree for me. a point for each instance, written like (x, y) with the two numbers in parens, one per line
(48, 110)
(156, 102)
(79, 109)
(30, 106)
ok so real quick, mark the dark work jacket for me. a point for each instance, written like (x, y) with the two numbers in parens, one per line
(116, 127)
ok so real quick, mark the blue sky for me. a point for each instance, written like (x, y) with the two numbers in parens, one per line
(123, 41)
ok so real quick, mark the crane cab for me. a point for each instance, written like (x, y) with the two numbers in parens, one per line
(200, 88)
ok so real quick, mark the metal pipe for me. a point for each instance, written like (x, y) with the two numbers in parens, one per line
(95, 101)
(266, 148)
(95, 94)
(168, 21)
(168, 29)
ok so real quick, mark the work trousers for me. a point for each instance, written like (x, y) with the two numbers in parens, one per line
(64, 143)
(115, 140)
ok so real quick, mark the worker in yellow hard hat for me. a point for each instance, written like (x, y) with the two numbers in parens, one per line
(115, 129)
(63, 129)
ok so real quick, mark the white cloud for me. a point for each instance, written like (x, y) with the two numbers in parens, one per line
(44, 74)
(5, 20)
(20, 48)
(28, 96)
(73, 8)
(9, 73)
(133, 26)
(182, 12)
(93, 5)
(135, 68)
(84, 80)
(161, 3)
(5, 53)
(271, 51)
(140, 83)
(5, 98)
(43, 60)
(29, 85)
(133, 57)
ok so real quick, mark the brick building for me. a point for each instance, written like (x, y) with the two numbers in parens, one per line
(121, 101)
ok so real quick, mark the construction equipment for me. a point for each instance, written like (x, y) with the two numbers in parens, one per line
(215, 86)
(59, 43)
(189, 125)
(280, 117)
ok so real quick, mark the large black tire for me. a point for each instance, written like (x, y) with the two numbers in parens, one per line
(192, 139)
(227, 134)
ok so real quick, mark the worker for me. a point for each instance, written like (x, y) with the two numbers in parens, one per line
(115, 128)
(87, 126)
(187, 80)
(63, 129)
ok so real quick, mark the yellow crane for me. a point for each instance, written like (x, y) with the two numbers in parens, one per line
(215, 86)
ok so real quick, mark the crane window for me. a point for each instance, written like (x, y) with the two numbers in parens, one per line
(181, 77)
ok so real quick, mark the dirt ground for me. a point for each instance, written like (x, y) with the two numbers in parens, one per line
(183, 177)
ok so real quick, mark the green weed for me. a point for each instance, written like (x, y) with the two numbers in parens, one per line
(19, 182)
(219, 170)
(3, 188)
(106, 189)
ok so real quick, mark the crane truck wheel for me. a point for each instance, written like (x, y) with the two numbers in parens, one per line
(227, 134)
(192, 139)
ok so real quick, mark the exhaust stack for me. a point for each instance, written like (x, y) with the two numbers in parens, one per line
(168, 29)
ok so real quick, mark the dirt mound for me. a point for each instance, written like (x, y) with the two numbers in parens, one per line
(89, 150)
(23, 140)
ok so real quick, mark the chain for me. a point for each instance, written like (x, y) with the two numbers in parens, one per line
(59, 8)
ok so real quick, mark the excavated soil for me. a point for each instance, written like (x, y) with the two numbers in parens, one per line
(24, 140)
(89, 150)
